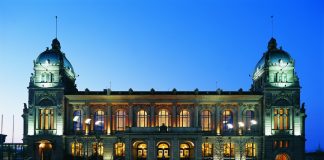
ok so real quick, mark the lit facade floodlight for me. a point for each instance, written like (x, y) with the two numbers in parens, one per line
(76, 119)
(254, 122)
(87, 121)
(241, 124)
(98, 123)
(230, 126)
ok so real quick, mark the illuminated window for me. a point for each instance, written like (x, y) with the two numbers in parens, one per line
(206, 120)
(249, 116)
(227, 120)
(46, 119)
(163, 151)
(141, 150)
(97, 148)
(142, 118)
(76, 149)
(250, 150)
(229, 151)
(184, 119)
(77, 120)
(120, 120)
(120, 149)
(99, 119)
(47, 77)
(163, 117)
(280, 144)
(281, 119)
(207, 150)
(184, 150)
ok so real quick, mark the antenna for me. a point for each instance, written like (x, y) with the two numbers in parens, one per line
(13, 128)
(1, 122)
(271, 25)
(110, 85)
(56, 27)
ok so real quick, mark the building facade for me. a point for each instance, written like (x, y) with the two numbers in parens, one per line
(266, 122)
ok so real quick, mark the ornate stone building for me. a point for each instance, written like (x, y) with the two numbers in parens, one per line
(267, 122)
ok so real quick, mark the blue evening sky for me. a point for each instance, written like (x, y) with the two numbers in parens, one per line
(162, 44)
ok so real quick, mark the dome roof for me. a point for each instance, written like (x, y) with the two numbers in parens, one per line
(52, 57)
(273, 56)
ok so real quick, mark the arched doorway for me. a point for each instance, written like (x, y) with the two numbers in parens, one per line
(141, 151)
(45, 149)
(163, 151)
(187, 150)
(282, 156)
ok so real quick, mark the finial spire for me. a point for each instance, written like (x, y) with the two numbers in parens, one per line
(56, 27)
(271, 25)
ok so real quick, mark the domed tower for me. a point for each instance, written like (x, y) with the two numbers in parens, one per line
(284, 117)
(275, 69)
(53, 77)
(53, 69)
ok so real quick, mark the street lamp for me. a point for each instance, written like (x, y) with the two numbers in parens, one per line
(87, 122)
(253, 124)
(241, 126)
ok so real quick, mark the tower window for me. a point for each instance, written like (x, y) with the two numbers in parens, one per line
(46, 119)
(281, 119)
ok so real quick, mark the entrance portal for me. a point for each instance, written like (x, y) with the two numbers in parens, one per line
(45, 149)
(163, 151)
(282, 156)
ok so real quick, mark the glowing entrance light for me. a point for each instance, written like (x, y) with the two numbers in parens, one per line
(87, 121)
(254, 122)
(76, 119)
(241, 124)
(230, 126)
(98, 123)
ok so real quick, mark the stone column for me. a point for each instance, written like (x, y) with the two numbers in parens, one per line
(128, 148)
(130, 119)
(109, 116)
(196, 115)
(198, 149)
(174, 149)
(150, 148)
(152, 115)
(174, 115)
(218, 122)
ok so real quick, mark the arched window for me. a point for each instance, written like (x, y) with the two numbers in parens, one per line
(120, 120)
(77, 120)
(163, 151)
(281, 119)
(250, 150)
(207, 150)
(142, 150)
(76, 149)
(163, 117)
(46, 119)
(142, 118)
(206, 120)
(47, 77)
(229, 151)
(249, 116)
(184, 118)
(184, 151)
(99, 118)
(227, 120)
(119, 149)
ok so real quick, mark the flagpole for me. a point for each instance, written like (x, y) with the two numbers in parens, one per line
(13, 128)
